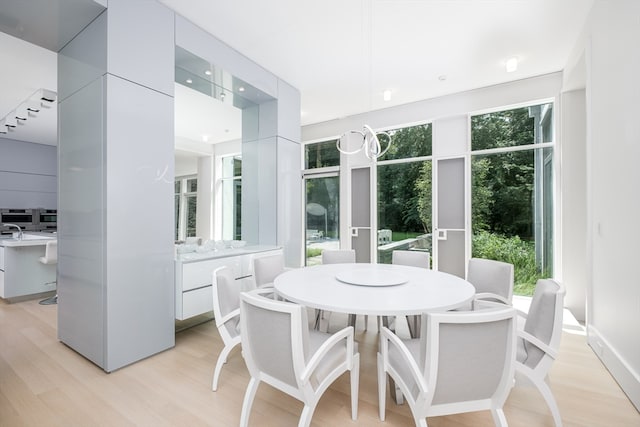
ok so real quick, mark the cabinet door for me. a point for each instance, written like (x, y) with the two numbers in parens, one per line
(199, 274)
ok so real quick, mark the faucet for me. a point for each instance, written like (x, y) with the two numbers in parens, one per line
(16, 226)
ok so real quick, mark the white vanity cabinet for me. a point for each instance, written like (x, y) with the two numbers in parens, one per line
(194, 276)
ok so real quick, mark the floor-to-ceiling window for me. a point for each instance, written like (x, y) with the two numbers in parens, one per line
(404, 192)
(512, 191)
(322, 196)
(186, 200)
(231, 181)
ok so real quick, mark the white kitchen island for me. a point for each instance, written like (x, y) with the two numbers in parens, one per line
(21, 272)
(194, 275)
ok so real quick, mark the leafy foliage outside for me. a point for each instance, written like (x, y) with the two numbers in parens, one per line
(503, 195)
(502, 191)
(513, 250)
(400, 206)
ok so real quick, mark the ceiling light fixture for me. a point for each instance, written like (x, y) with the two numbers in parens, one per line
(207, 72)
(241, 89)
(370, 143)
(41, 98)
(189, 81)
(512, 64)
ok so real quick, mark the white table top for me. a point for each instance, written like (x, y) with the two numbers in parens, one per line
(422, 290)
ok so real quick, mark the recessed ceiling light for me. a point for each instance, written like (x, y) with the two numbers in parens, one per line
(207, 72)
(512, 64)
(241, 89)
(205, 138)
(386, 95)
(189, 81)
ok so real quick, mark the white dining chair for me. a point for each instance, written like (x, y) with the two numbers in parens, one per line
(463, 363)
(339, 256)
(539, 340)
(492, 279)
(226, 310)
(267, 268)
(413, 258)
(280, 350)
(50, 258)
(421, 259)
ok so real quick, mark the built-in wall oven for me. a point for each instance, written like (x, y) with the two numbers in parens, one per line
(47, 220)
(26, 219)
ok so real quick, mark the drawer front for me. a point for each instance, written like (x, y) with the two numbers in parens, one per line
(198, 274)
(197, 301)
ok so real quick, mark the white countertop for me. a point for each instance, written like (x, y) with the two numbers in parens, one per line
(29, 239)
(223, 253)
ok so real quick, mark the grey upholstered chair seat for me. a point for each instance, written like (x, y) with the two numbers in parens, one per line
(462, 362)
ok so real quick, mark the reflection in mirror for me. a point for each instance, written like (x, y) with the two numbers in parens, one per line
(212, 109)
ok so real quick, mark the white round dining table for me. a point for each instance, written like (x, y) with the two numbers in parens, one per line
(374, 289)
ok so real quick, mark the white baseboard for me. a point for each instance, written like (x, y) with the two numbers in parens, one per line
(627, 378)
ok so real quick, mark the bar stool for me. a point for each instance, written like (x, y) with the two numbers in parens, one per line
(50, 257)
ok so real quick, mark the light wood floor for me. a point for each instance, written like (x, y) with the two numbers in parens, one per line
(44, 383)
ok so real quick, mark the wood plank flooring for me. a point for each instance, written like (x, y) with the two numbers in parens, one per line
(45, 383)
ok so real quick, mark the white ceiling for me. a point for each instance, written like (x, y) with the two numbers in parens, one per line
(342, 55)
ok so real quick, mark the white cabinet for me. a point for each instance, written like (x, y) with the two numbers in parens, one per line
(21, 272)
(194, 276)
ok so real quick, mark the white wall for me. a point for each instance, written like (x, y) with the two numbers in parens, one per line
(186, 165)
(573, 203)
(28, 175)
(613, 198)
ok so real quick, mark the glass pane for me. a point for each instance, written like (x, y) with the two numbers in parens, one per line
(321, 154)
(414, 141)
(177, 217)
(192, 185)
(404, 208)
(512, 128)
(512, 213)
(322, 217)
(231, 166)
(191, 215)
(232, 209)
(177, 187)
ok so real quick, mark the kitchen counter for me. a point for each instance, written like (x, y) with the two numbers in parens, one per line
(29, 239)
(21, 272)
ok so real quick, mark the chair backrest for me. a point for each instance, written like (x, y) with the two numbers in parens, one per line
(544, 320)
(468, 359)
(338, 256)
(50, 252)
(226, 298)
(266, 268)
(411, 258)
(274, 340)
(490, 276)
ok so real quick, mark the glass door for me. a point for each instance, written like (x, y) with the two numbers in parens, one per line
(322, 215)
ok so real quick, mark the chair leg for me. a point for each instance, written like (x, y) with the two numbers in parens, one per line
(498, 417)
(222, 359)
(305, 416)
(249, 395)
(547, 394)
(382, 388)
(355, 380)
